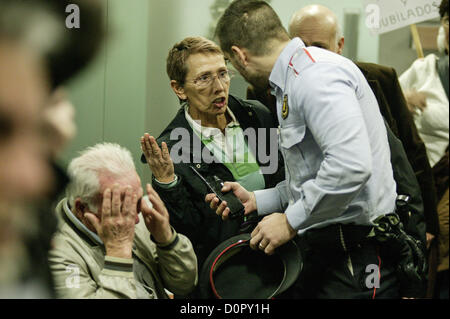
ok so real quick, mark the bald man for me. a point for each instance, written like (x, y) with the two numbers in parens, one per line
(317, 26)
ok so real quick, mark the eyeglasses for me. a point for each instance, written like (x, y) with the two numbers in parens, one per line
(207, 79)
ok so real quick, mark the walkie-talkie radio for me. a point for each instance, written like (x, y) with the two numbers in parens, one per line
(215, 185)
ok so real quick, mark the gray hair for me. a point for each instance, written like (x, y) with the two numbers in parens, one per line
(84, 170)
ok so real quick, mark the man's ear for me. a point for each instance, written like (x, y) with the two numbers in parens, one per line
(240, 55)
(340, 48)
(178, 89)
(79, 208)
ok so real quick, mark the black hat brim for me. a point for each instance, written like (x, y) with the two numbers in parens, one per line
(248, 274)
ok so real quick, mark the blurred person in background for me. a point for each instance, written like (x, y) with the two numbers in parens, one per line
(38, 54)
(426, 85)
(25, 173)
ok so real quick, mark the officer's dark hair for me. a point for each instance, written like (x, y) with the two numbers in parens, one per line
(443, 8)
(40, 25)
(250, 24)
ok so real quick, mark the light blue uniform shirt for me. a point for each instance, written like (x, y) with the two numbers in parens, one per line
(333, 140)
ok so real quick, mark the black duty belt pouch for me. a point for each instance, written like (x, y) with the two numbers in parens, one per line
(405, 251)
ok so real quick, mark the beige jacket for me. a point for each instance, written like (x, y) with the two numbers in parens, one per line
(81, 270)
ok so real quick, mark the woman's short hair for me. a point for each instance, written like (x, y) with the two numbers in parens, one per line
(178, 55)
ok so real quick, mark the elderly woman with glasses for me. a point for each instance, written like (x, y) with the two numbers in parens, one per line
(213, 134)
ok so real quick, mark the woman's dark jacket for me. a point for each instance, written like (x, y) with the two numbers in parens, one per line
(189, 213)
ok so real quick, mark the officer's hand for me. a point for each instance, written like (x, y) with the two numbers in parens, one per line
(158, 159)
(272, 232)
(247, 199)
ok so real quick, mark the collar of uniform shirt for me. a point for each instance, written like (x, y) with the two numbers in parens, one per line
(208, 133)
(278, 75)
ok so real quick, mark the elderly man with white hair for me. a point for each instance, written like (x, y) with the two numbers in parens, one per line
(104, 247)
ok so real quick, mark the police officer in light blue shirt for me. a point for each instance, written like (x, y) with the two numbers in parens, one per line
(332, 136)
(334, 142)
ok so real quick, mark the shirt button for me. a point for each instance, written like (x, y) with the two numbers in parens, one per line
(198, 166)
